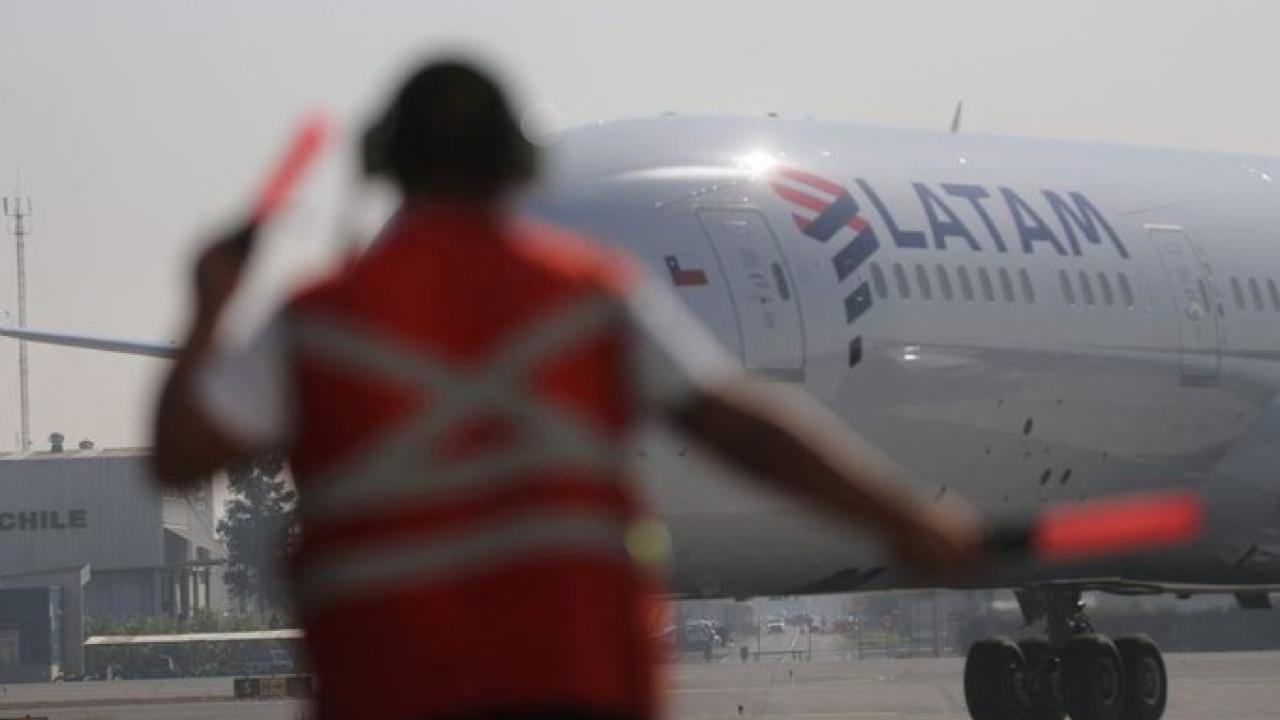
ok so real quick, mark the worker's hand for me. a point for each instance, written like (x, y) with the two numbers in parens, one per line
(217, 275)
(937, 541)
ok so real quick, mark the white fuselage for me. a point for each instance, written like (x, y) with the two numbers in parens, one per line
(1016, 322)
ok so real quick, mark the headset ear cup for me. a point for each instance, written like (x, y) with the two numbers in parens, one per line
(375, 147)
(521, 161)
(524, 166)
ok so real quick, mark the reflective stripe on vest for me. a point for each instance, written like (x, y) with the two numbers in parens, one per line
(398, 467)
(394, 467)
(483, 547)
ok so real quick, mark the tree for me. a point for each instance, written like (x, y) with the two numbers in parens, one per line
(260, 530)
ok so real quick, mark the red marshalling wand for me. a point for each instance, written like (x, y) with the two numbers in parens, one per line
(1127, 524)
(302, 150)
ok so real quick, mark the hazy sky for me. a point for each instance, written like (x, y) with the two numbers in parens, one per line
(138, 126)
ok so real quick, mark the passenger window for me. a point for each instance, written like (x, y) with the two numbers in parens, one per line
(988, 291)
(1126, 292)
(900, 277)
(1104, 284)
(1028, 291)
(1256, 293)
(1006, 285)
(944, 283)
(877, 281)
(1086, 288)
(1274, 295)
(966, 287)
(1237, 294)
(1068, 295)
(922, 279)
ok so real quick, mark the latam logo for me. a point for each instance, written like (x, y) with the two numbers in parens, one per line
(1079, 222)
(825, 210)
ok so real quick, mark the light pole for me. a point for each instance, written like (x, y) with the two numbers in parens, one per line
(19, 208)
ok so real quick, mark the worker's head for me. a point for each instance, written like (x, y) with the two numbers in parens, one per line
(449, 131)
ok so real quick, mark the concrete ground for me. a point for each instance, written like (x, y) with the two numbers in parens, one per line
(1204, 686)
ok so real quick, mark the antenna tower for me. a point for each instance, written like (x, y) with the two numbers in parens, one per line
(19, 209)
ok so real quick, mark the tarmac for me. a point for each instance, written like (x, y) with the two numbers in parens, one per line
(835, 684)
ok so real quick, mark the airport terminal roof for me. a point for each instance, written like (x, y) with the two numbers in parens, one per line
(285, 634)
(75, 453)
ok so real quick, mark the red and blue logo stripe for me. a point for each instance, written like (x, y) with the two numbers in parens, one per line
(826, 211)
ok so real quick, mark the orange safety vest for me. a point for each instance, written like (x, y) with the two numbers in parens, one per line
(463, 401)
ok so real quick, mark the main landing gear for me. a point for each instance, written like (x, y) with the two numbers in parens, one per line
(1075, 672)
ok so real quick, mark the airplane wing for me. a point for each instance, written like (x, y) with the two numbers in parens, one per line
(91, 342)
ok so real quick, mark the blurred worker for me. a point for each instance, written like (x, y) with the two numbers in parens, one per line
(456, 406)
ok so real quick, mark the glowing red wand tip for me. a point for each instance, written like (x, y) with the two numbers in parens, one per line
(1111, 526)
(303, 148)
(1124, 524)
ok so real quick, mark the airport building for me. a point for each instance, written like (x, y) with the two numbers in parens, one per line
(84, 533)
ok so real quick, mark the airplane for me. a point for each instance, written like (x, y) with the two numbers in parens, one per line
(1017, 322)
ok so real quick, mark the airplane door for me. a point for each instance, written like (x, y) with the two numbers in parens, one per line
(1193, 301)
(761, 289)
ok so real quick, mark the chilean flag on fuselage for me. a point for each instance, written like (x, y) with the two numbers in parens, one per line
(682, 276)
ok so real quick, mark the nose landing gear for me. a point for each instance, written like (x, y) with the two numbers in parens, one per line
(1075, 672)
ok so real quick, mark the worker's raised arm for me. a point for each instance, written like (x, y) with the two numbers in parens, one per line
(189, 440)
(787, 440)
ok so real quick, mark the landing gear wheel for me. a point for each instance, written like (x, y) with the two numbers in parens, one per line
(1043, 683)
(1146, 683)
(1092, 678)
(993, 681)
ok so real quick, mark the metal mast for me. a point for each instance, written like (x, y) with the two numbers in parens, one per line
(19, 208)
